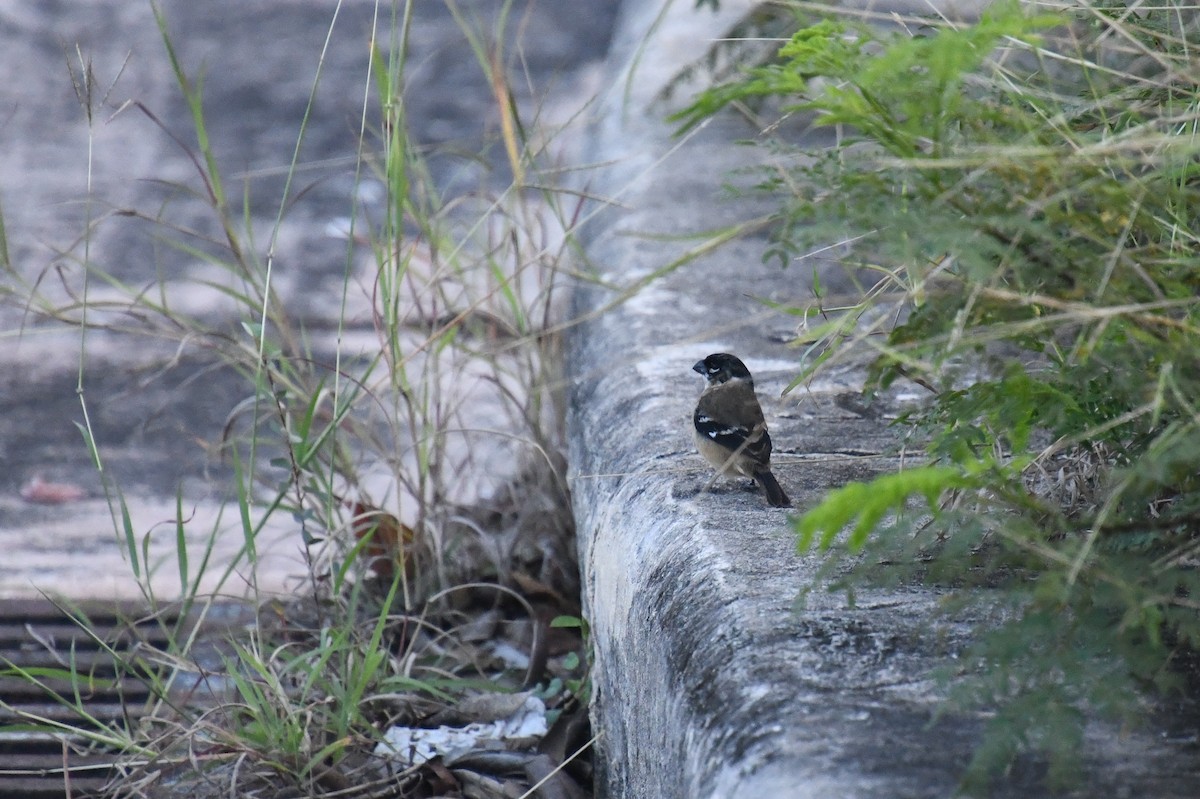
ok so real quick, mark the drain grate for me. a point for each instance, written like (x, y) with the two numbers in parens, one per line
(37, 635)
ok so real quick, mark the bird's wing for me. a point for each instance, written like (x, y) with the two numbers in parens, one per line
(729, 414)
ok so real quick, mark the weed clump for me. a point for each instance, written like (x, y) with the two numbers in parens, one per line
(409, 441)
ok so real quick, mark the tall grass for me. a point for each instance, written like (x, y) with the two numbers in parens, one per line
(378, 453)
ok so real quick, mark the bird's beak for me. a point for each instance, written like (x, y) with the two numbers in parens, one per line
(698, 366)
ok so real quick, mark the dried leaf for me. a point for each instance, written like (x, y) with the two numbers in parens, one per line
(389, 541)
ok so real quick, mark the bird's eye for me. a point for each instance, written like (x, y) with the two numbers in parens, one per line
(712, 370)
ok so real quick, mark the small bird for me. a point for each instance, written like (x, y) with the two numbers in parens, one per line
(731, 432)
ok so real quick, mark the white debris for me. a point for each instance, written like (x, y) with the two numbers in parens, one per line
(416, 745)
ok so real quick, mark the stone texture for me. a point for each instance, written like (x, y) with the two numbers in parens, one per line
(709, 682)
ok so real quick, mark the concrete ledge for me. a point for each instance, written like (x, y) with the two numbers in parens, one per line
(708, 682)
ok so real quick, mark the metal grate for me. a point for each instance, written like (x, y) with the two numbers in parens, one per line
(37, 634)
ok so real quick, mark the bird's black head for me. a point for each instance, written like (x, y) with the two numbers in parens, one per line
(721, 367)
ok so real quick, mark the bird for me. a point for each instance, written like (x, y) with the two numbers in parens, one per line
(730, 430)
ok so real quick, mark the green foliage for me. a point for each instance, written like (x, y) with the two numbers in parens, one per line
(1024, 188)
(866, 504)
(577, 686)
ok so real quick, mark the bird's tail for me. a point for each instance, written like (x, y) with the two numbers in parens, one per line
(776, 497)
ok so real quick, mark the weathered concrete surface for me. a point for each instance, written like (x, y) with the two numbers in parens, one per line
(157, 406)
(708, 683)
